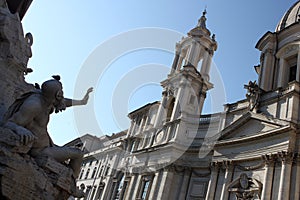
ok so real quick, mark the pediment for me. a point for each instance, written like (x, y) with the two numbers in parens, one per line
(250, 124)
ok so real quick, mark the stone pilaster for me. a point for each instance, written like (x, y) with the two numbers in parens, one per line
(161, 110)
(132, 131)
(283, 71)
(267, 72)
(297, 181)
(285, 176)
(166, 183)
(228, 165)
(205, 68)
(298, 68)
(269, 171)
(175, 62)
(131, 186)
(185, 182)
(141, 125)
(130, 128)
(213, 181)
(136, 187)
(154, 187)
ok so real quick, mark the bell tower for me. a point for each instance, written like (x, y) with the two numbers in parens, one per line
(186, 86)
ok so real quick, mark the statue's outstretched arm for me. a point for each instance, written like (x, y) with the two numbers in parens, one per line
(72, 102)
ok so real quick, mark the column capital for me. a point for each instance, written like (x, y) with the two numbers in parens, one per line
(269, 51)
(269, 159)
(228, 164)
(169, 168)
(286, 157)
(165, 93)
(214, 166)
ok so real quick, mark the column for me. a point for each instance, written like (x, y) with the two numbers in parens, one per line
(181, 59)
(131, 186)
(133, 127)
(141, 124)
(185, 183)
(285, 176)
(298, 67)
(161, 110)
(175, 62)
(268, 181)
(146, 122)
(107, 192)
(165, 184)
(136, 187)
(181, 97)
(213, 181)
(282, 79)
(130, 128)
(228, 176)
(205, 68)
(154, 186)
(267, 70)
(297, 185)
(191, 53)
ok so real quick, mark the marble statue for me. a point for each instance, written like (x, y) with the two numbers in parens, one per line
(32, 167)
(29, 115)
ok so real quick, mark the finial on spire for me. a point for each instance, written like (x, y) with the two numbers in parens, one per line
(202, 20)
(205, 12)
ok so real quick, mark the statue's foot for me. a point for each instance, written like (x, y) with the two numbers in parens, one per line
(78, 193)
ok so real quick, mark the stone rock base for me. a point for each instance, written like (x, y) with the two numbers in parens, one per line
(25, 178)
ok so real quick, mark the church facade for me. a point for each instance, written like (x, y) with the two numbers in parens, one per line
(171, 151)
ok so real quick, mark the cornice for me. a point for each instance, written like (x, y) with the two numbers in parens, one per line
(253, 137)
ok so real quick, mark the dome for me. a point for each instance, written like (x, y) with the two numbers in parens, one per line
(290, 17)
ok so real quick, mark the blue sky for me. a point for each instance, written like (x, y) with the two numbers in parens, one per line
(66, 33)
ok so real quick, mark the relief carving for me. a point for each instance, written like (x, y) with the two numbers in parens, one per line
(245, 188)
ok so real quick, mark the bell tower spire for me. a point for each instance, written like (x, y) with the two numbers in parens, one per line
(202, 20)
(197, 49)
(186, 86)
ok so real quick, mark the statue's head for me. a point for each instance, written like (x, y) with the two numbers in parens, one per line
(53, 89)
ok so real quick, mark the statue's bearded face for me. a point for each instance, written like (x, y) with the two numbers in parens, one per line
(53, 91)
(59, 103)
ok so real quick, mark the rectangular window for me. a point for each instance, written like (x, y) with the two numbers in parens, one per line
(292, 73)
(145, 189)
(81, 174)
(123, 190)
(87, 174)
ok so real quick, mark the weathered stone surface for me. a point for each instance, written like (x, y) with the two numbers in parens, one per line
(22, 177)
(15, 51)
